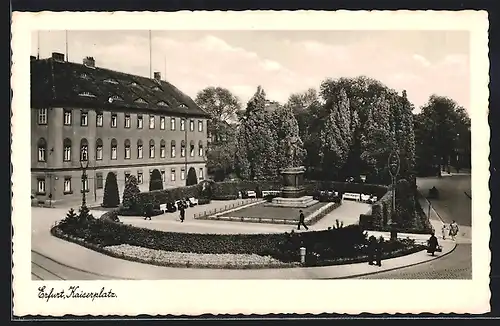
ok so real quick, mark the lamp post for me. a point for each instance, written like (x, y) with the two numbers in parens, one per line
(393, 166)
(84, 164)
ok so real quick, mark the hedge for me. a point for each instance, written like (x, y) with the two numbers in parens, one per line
(343, 187)
(344, 242)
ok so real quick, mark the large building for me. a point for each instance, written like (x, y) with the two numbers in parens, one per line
(114, 122)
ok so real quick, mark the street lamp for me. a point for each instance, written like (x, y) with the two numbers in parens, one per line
(84, 164)
(393, 166)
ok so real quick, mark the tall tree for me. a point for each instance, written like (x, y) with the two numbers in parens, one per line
(256, 140)
(444, 120)
(336, 135)
(222, 106)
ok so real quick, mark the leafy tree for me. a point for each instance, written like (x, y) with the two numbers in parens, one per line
(191, 179)
(220, 103)
(111, 195)
(222, 106)
(308, 111)
(444, 126)
(131, 193)
(155, 181)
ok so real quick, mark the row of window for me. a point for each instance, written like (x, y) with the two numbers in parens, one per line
(68, 189)
(84, 120)
(84, 149)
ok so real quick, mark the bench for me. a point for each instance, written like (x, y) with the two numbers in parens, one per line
(270, 192)
(351, 196)
(252, 194)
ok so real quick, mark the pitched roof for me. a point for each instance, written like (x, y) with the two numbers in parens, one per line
(56, 83)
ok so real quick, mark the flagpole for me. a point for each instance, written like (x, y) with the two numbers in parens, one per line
(38, 45)
(66, 45)
(150, 57)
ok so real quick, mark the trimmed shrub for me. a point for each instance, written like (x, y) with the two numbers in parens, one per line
(191, 179)
(131, 194)
(203, 201)
(366, 221)
(225, 197)
(314, 187)
(111, 195)
(155, 180)
(111, 216)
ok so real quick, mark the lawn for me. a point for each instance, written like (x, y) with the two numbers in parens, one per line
(262, 211)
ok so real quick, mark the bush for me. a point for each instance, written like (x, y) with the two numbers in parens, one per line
(155, 180)
(313, 188)
(111, 195)
(366, 221)
(131, 194)
(225, 197)
(111, 216)
(191, 179)
(343, 242)
(228, 188)
(203, 201)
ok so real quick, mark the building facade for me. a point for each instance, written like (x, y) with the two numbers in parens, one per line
(111, 122)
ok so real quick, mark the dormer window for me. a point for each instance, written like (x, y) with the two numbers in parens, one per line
(162, 103)
(86, 94)
(115, 98)
(183, 106)
(156, 88)
(133, 84)
(111, 81)
(85, 76)
(141, 101)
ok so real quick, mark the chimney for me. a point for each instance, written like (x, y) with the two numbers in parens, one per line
(157, 75)
(89, 62)
(32, 58)
(58, 56)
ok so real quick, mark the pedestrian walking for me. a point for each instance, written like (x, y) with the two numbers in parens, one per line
(453, 230)
(372, 248)
(443, 231)
(379, 250)
(432, 244)
(182, 212)
(302, 220)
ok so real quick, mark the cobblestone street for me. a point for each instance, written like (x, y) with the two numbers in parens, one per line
(456, 265)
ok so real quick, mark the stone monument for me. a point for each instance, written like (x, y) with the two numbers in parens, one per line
(293, 190)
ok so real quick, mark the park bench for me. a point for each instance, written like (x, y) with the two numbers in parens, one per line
(251, 194)
(351, 196)
(270, 192)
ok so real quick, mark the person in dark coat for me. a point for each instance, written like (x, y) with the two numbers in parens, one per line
(302, 220)
(182, 212)
(378, 250)
(372, 244)
(432, 244)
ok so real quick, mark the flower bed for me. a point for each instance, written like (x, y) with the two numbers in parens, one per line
(333, 246)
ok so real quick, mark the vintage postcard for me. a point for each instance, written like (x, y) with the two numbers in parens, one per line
(250, 162)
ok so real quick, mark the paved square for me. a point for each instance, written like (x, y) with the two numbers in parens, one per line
(263, 211)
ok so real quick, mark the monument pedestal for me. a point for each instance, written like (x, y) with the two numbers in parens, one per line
(301, 202)
(293, 191)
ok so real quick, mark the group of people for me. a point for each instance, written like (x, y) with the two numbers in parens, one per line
(375, 249)
(453, 230)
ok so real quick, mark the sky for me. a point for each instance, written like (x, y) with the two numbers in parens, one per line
(282, 62)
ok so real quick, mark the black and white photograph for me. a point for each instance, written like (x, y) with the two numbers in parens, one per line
(333, 155)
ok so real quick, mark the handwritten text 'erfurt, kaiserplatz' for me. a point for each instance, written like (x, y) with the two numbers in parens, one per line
(73, 292)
